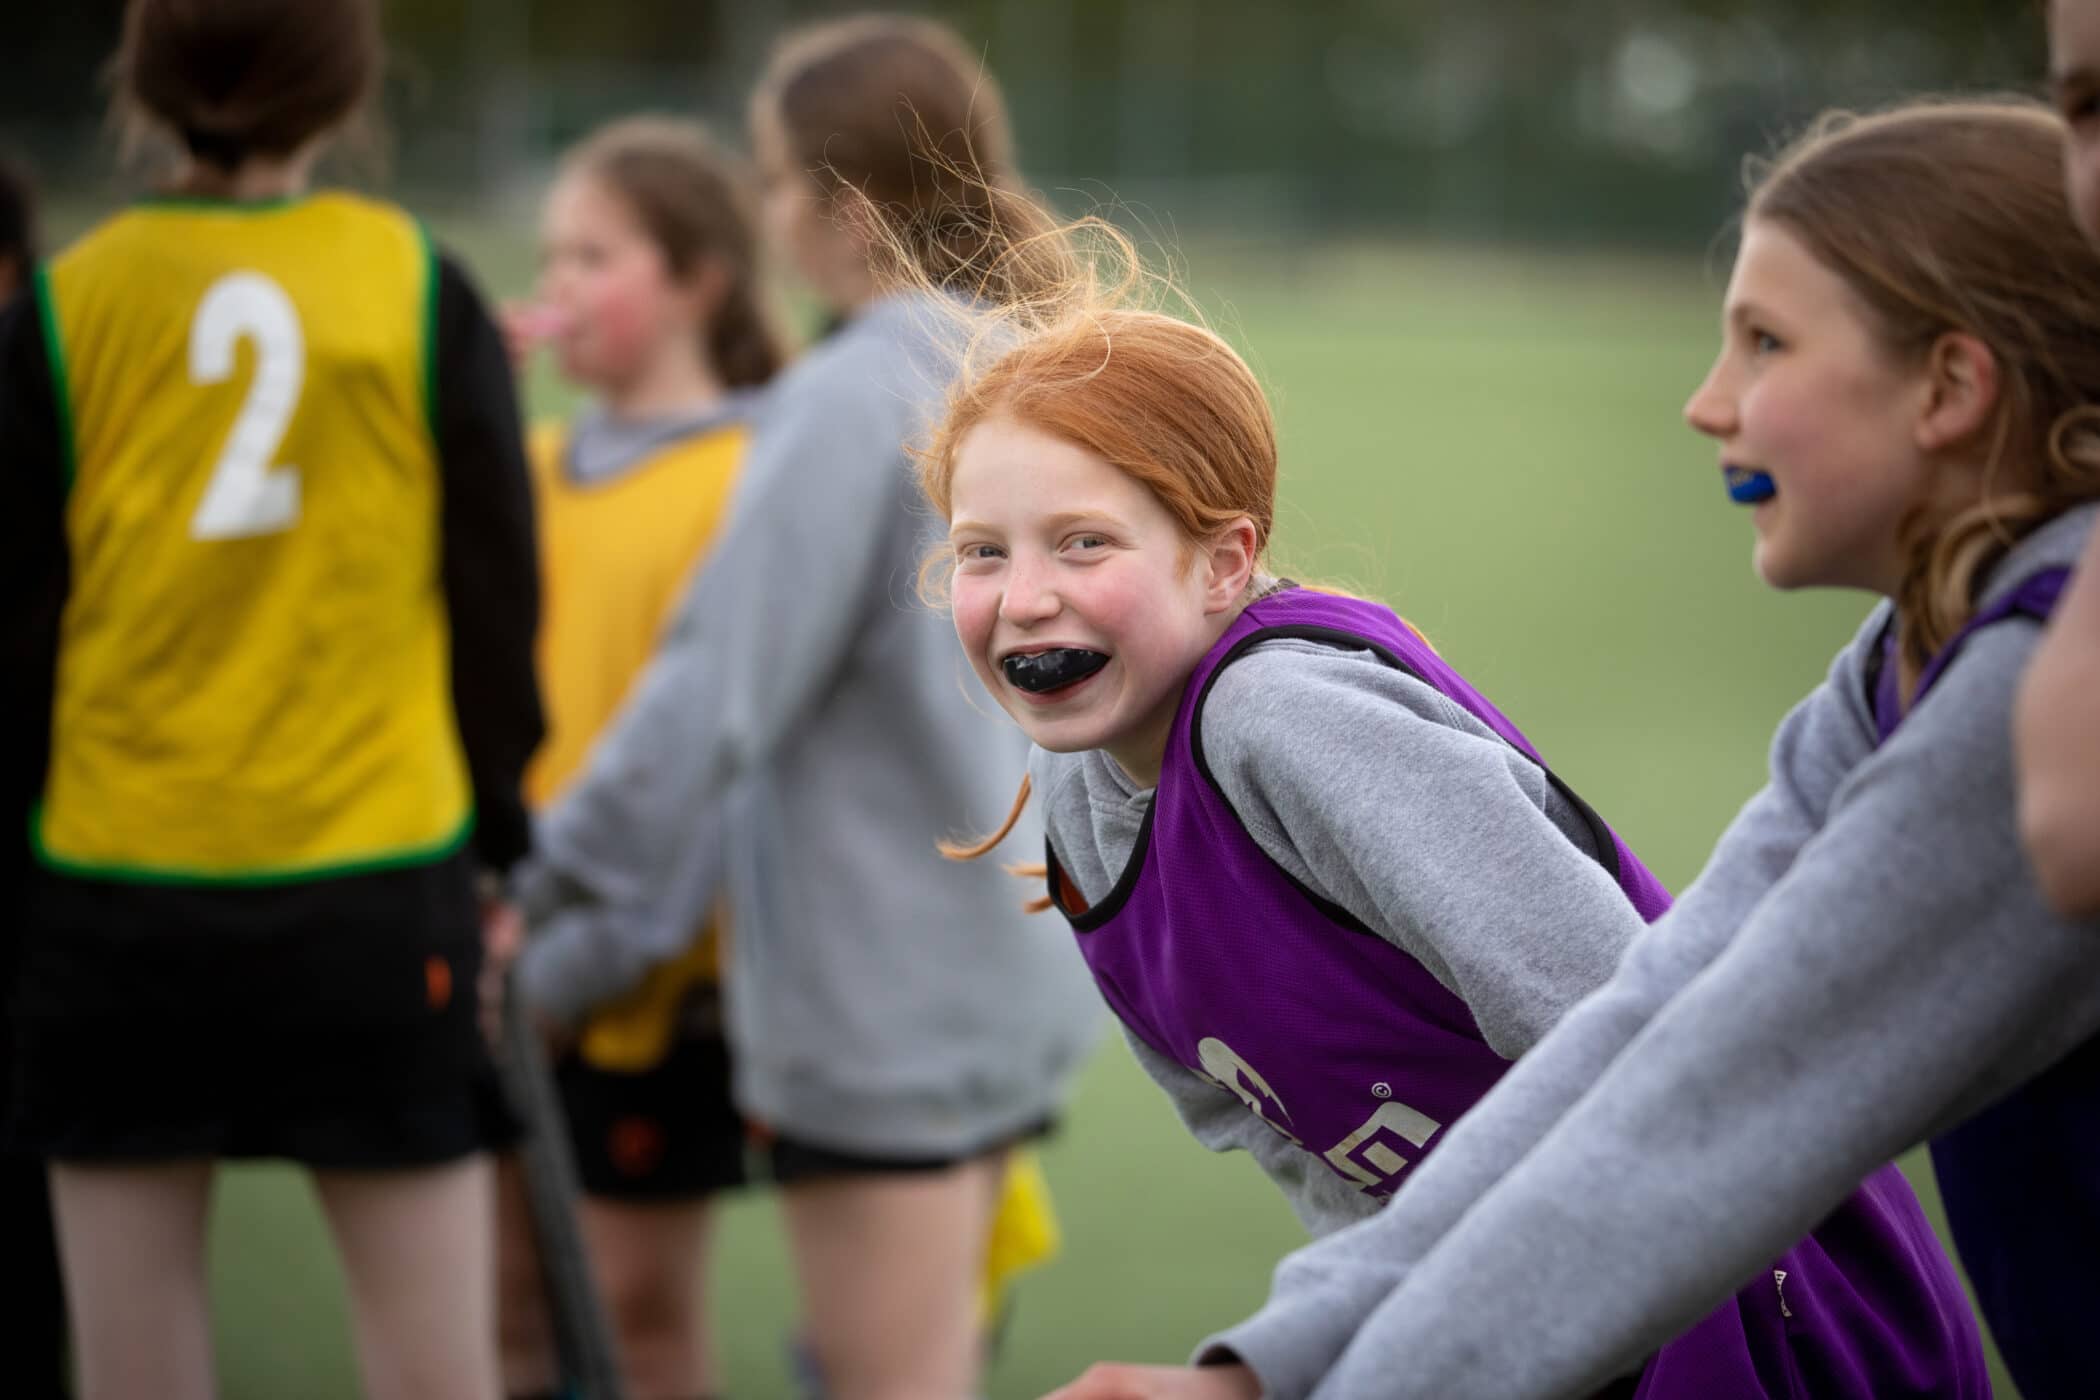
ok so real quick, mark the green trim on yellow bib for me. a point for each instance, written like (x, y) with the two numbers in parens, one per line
(444, 848)
(55, 352)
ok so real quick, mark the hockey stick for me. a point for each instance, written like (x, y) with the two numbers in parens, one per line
(582, 1337)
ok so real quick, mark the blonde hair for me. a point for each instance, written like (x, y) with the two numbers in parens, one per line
(1951, 216)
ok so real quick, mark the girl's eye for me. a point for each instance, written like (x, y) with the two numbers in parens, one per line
(1764, 342)
(1089, 543)
(975, 553)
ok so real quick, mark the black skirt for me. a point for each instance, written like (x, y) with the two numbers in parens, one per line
(329, 1022)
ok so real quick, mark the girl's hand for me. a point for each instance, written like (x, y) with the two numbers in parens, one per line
(502, 935)
(1109, 1380)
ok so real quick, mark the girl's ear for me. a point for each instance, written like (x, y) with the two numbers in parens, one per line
(1962, 389)
(1230, 559)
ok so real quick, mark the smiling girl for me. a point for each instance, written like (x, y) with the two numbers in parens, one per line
(1906, 374)
(1330, 891)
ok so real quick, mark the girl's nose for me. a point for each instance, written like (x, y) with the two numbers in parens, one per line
(1030, 595)
(1710, 410)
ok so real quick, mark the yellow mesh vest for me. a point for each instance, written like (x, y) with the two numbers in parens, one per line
(615, 559)
(253, 679)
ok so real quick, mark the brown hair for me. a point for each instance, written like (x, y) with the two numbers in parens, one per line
(895, 114)
(18, 243)
(1951, 217)
(233, 79)
(694, 201)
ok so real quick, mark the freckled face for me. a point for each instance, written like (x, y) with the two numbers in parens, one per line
(1057, 550)
(1804, 392)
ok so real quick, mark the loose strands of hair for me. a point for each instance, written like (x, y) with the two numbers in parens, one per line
(1949, 215)
(984, 846)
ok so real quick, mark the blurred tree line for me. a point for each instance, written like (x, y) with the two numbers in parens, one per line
(1531, 119)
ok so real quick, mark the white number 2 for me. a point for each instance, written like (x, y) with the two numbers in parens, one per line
(247, 494)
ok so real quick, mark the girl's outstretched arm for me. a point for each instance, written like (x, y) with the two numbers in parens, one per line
(2057, 731)
(1323, 1294)
(1901, 975)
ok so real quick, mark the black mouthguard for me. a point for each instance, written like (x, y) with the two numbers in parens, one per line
(1049, 670)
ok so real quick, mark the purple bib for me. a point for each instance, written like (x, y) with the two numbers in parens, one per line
(1213, 956)
(2018, 1181)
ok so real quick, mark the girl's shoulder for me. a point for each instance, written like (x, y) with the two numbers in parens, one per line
(1283, 691)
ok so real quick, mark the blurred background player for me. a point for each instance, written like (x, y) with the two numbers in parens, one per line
(897, 1024)
(2058, 721)
(649, 296)
(272, 536)
(30, 1292)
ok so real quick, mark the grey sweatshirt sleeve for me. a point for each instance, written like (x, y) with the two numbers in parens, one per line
(1749, 1065)
(1323, 1294)
(1375, 791)
(630, 857)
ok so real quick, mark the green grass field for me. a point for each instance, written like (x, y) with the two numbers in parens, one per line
(1490, 442)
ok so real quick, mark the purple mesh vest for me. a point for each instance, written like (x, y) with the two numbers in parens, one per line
(2018, 1180)
(1217, 959)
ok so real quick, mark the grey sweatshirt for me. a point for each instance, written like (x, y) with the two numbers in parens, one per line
(807, 732)
(601, 447)
(1377, 793)
(1865, 962)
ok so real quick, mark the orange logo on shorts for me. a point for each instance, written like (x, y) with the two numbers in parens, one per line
(437, 982)
(635, 1145)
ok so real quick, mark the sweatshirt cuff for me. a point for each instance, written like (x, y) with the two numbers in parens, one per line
(554, 971)
(1291, 1343)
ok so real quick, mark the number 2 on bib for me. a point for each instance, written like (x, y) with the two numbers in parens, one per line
(248, 494)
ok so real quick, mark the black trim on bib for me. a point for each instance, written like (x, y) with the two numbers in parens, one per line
(1607, 850)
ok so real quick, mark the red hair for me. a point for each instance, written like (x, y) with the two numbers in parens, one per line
(1160, 398)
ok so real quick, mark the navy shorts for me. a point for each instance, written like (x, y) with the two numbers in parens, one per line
(670, 1132)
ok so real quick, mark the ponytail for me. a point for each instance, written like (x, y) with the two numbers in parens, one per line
(741, 342)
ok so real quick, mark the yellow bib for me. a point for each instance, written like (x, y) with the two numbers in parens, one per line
(615, 556)
(254, 667)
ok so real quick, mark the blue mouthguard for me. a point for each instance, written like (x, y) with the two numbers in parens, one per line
(1747, 487)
